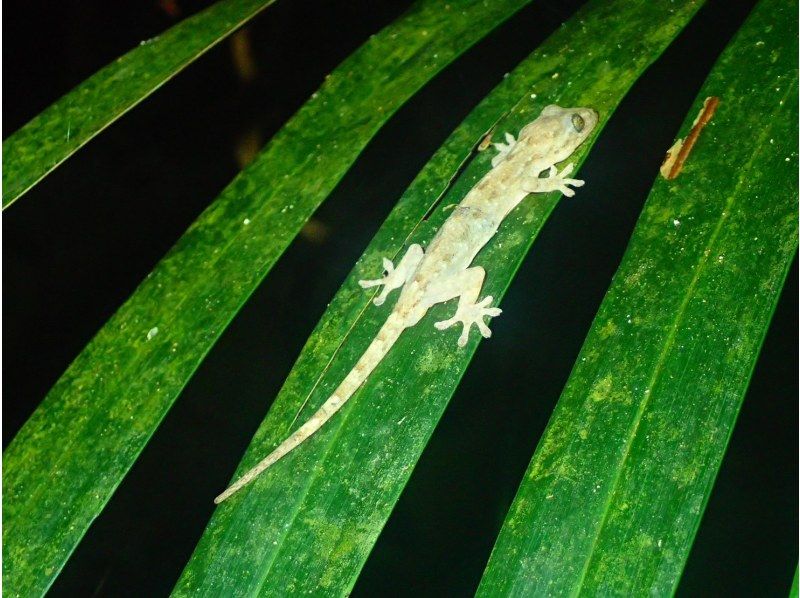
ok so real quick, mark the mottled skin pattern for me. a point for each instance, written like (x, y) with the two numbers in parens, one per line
(444, 272)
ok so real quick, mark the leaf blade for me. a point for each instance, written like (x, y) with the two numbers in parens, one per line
(67, 460)
(613, 496)
(51, 137)
(307, 525)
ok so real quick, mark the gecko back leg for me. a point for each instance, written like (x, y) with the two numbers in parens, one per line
(395, 277)
(466, 285)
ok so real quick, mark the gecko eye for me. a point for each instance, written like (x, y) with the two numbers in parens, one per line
(577, 122)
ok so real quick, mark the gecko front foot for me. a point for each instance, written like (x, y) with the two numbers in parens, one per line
(503, 149)
(471, 314)
(555, 181)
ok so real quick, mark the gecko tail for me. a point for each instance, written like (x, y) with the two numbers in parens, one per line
(378, 348)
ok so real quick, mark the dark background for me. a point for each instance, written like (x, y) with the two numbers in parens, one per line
(80, 242)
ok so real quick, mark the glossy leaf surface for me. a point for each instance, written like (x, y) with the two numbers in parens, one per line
(614, 495)
(307, 525)
(66, 461)
(53, 136)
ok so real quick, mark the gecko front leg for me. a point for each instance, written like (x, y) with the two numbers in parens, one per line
(467, 287)
(503, 149)
(395, 277)
(555, 181)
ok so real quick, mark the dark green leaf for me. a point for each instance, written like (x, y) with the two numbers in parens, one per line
(65, 463)
(50, 138)
(307, 525)
(614, 494)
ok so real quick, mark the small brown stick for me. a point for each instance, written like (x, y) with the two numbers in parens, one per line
(672, 166)
(486, 141)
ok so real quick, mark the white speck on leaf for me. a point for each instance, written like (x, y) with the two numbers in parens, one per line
(152, 332)
(246, 221)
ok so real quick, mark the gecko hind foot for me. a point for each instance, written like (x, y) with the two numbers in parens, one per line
(395, 277)
(387, 281)
(469, 315)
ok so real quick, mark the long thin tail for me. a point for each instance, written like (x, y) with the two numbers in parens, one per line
(386, 337)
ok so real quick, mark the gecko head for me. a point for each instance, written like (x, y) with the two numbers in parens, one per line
(567, 127)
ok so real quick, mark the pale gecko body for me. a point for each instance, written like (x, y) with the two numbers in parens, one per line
(445, 271)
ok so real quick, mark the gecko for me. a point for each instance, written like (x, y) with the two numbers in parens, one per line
(522, 166)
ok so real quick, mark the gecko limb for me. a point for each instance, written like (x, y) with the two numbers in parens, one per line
(555, 181)
(467, 286)
(503, 149)
(395, 277)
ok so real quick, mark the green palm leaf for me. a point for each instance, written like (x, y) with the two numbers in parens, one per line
(67, 460)
(614, 494)
(307, 525)
(53, 136)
